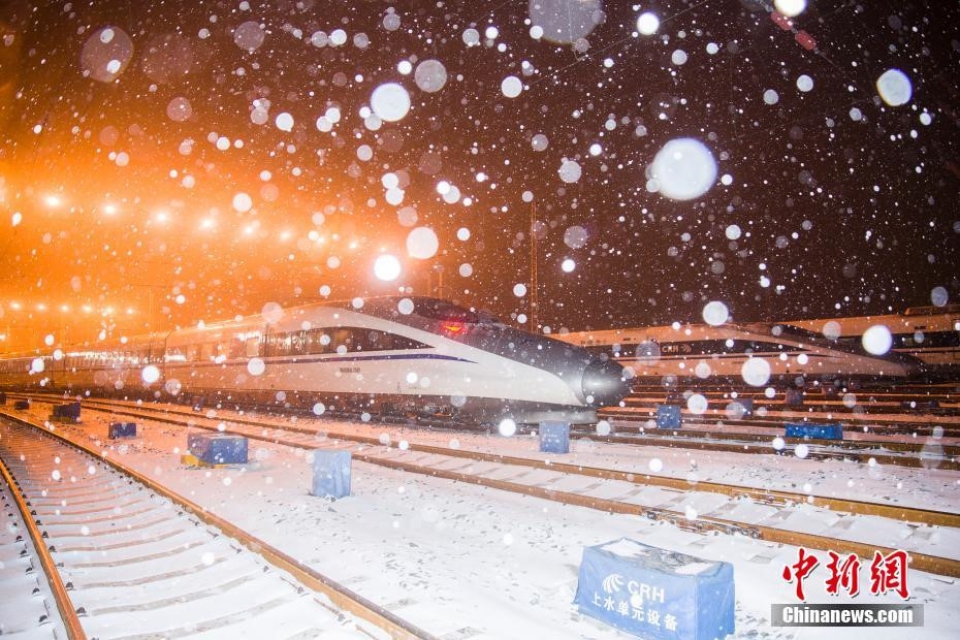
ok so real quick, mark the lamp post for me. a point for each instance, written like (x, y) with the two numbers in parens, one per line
(438, 289)
(61, 326)
(534, 303)
(151, 325)
(7, 340)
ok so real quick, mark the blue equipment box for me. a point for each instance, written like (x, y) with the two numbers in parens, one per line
(655, 593)
(122, 430)
(668, 416)
(215, 449)
(69, 410)
(814, 431)
(331, 473)
(555, 437)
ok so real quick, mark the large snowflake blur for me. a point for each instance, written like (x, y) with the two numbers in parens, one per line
(204, 159)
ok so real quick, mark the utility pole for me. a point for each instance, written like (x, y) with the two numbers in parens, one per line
(534, 322)
(151, 324)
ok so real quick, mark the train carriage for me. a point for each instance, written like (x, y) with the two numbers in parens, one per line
(381, 355)
(931, 334)
(705, 351)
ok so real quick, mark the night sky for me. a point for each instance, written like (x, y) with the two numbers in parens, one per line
(194, 161)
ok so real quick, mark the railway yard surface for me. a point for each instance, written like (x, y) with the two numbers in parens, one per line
(478, 535)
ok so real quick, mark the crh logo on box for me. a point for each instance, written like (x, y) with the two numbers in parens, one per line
(615, 582)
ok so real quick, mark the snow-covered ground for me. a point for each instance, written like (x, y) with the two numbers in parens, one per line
(464, 561)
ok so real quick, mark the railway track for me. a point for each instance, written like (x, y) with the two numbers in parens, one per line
(894, 420)
(929, 453)
(28, 606)
(138, 562)
(638, 427)
(772, 516)
(901, 440)
(878, 408)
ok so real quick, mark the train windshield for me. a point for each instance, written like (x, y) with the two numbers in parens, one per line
(436, 309)
(431, 310)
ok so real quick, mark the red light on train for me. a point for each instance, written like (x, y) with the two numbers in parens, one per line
(782, 21)
(805, 40)
(453, 328)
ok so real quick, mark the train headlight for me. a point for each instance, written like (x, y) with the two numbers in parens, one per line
(604, 383)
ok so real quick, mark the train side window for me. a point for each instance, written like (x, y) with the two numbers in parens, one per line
(395, 342)
(343, 340)
(317, 341)
(270, 345)
(282, 344)
(374, 340)
(369, 341)
(252, 346)
(297, 342)
(237, 347)
(402, 342)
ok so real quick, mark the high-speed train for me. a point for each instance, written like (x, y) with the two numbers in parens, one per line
(753, 353)
(930, 334)
(390, 355)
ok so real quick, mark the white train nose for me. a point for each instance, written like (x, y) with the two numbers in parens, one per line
(604, 383)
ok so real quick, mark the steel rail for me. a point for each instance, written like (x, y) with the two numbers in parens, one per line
(340, 595)
(69, 617)
(709, 442)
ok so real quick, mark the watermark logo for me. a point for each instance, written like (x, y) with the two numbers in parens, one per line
(846, 615)
(887, 573)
